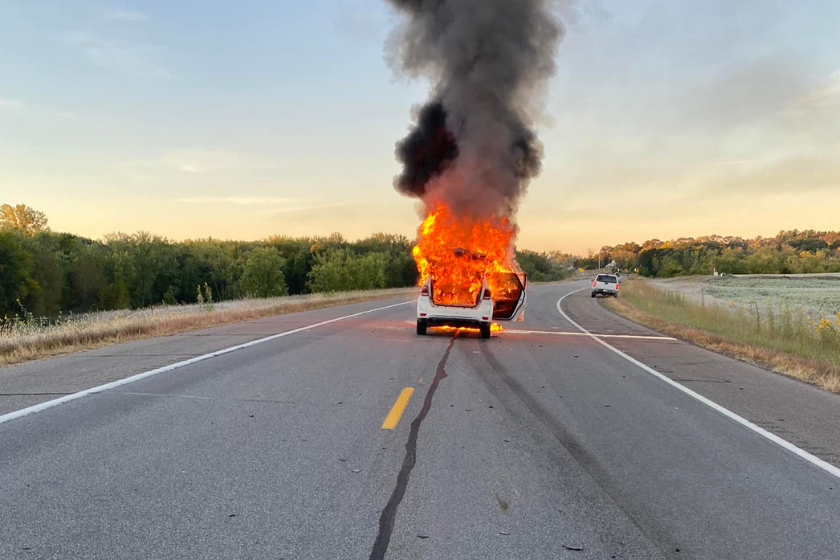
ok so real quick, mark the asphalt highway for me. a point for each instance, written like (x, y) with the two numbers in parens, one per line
(541, 443)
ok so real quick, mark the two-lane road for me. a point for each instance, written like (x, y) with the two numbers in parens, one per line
(538, 443)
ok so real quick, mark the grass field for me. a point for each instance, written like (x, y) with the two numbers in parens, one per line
(765, 321)
(818, 296)
(33, 339)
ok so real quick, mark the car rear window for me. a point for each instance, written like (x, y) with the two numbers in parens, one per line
(606, 278)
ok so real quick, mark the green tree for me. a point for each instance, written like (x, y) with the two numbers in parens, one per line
(730, 261)
(119, 271)
(47, 274)
(765, 260)
(88, 274)
(669, 266)
(146, 260)
(217, 264)
(15, 267)
(263, 274)
(337, 270)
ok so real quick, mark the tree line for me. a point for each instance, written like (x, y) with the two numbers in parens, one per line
(47, 273)
(789, 252)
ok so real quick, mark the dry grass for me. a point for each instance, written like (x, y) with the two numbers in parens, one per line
(787, 341)
(30, 342)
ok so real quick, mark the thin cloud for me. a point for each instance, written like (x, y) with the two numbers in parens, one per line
(208, 167)
(735, 162)
(126, 15)
(200, 161)
(209, 161)
(11, 104)
(124, 58)
(270, 205)
(742, 94)
(825, 94)
(241, 200)
(356, 22)
(305, 208)
(37, 112)
(793, 174)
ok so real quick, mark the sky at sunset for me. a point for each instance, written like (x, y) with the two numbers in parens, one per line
(246, 119)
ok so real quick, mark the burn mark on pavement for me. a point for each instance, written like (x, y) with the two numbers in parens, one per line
(389, 514)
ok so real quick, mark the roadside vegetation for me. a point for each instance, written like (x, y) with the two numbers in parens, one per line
(789, 252)
(783, 337)
(32, 339)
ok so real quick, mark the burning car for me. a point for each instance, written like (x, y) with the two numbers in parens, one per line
(467, 296)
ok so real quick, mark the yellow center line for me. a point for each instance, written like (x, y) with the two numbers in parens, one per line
(394, 416)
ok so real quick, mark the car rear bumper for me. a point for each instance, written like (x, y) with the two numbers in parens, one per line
(454, 322)
(454, 316)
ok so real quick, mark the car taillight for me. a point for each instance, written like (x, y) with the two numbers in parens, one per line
(594, 283)
(617, 285)
(424, 291)
(487, 295)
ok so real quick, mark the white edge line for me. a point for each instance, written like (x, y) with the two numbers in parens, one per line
(564, 333)
(100, 388)
(816, 461)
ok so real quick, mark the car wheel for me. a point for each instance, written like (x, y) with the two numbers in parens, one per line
(484, 328)
(592, 294)
(422, 325)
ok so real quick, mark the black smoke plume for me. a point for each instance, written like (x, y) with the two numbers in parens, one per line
(425, 152)
(473, 144)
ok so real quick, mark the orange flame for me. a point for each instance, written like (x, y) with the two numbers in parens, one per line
(457, 252)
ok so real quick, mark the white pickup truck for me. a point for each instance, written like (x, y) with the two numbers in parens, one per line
(505, 305)
(605, 284)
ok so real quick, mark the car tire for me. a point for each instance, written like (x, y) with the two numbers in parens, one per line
(592, 294)
(484, 330)
(422, 325)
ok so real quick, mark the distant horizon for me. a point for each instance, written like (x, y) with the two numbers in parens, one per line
(351, 239)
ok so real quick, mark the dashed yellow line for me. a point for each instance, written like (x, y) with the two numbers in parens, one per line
(394, 416)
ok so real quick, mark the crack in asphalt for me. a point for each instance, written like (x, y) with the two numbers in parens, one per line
(389, 514)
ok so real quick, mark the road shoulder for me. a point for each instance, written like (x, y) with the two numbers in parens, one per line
(31, 383)
(801, 414)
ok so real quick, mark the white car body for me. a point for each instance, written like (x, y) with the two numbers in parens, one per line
(605, 284)
(481, 315)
